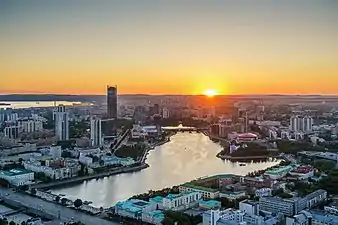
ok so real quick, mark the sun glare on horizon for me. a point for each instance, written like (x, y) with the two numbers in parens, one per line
(210, 92)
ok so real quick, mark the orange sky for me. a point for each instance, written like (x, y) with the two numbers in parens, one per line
(169, 48)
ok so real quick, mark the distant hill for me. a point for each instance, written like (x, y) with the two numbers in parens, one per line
(50, 97)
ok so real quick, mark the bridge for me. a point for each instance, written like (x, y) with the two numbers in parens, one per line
(181, 128)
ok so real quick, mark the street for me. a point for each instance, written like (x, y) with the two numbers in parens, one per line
(65, 214)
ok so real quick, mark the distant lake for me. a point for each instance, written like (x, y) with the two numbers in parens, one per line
(22, 105)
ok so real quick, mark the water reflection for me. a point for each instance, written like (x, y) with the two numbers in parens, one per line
(187, 156)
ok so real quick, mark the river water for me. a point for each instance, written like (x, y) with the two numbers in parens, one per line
(186, 157)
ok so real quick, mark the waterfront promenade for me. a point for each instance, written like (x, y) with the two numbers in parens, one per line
(57, 211)
(89, 177)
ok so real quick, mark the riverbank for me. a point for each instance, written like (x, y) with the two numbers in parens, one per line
(228, 157)
(90, 177)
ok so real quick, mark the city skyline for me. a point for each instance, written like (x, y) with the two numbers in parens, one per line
(157, 47)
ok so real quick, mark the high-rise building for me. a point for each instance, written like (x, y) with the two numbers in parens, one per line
(301, 124)
(165, 113)
(112, 102)
(110, 125)
(96, 132)
(12, 132)
(61, 118)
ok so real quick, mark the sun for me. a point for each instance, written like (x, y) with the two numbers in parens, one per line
(210, 93)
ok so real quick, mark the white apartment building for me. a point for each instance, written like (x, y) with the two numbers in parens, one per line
(17, 177)
(12, 132)
(85, 159)
(165, 113)
(30, 125)
(217, 217)
(301, 124)
(96, 132)
(207, 193)
(54, 173)
(61, 118)
(263, 192)
(181, 201)
(55, 152)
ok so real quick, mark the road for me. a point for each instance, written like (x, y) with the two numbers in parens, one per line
(66, 214)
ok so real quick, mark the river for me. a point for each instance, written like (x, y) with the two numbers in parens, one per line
(186, 157)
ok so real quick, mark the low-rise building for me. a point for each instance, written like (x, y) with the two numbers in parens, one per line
(181, 201)
(263, 192)
(332, 208)
(232, 195)
(207, 193)
(209, 204)
(133, 208)
(279, 172)
(303, 172)
(17, 177)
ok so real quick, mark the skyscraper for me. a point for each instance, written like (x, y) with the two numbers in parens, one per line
(61, 118)
(96, 132)
(112, 102)
(110, 129)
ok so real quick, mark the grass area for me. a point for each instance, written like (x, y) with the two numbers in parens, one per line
(134, 151)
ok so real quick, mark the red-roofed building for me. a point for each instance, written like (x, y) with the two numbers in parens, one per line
(303, 172)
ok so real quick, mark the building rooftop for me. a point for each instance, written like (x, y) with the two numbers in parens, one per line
(196, 187)
(14, 172)
(158, 214)
(278, 170)
(132, 205)
(210, 203)
(173, 196)
(324, 217)
(157, 199)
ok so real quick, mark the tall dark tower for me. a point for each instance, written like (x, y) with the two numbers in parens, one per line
(112, 102)
(111, 110)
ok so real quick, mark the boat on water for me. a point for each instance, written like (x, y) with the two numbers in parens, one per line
(3, 103)
(242, 164)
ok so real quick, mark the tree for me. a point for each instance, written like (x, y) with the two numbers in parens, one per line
(33, 191)
(12, 223)
(64, 201)
(23, 223)
(57, 199)
(78, 203)
(4, 183)
(168, 221)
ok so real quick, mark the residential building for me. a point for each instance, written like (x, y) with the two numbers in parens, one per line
(232, 195)
(30, 125)
(332, 208)
(209, 204)
(207, 193)
(278, 205)
(61, 118)
(133, 208)
(165, 113)
(17, 177)
(250, 207)
(85, 159)
(181, 201)
(312, 218)
(316, 197)
(96, 132)
(12, 132)
(279, 172)
(229, 216)
(263, 192)
(55, 152)
(303, 172)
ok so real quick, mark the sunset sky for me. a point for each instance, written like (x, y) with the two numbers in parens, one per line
(169, 47)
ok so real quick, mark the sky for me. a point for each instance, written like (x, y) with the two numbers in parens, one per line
(169, 47)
